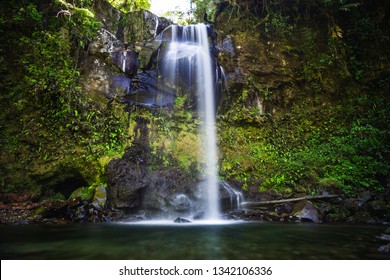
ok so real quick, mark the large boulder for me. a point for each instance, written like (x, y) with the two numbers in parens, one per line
(126, 177)
(126, 61)
(99, 197)
(170, 193)
(307, 212)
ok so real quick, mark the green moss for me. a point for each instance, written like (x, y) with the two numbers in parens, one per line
(48, 121)
(85, 193)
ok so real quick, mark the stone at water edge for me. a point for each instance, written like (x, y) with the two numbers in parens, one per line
(99, 197)
(384, 249)
(306, 211)
(361, 217)
(385, 237)
(179, 220)
(377, 207)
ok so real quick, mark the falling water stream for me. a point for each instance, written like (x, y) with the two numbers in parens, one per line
(188, 58)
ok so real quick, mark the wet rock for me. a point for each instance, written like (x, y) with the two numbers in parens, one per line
(99, 197)
(107, 15)
(82, 211)
(181, 221)
(229, 197)
(385, 237)
(352, 204)
(54, 209)
(227, 45)
(132, 186)
(126, 61)
(377, 207)
(283, 208)
(385, 249)
(387, 194)
(170, 192)
(97, 74)
(148, 55)
(361, 217)
(181, 202)
(307, 212)
(126, 177)
(235, 215)
(123, 191)
(199, 215)
(271, 217)
(105, 44)
(337, 213)
(57, 212)
(365, 197)
(135, 218)
(141, 26)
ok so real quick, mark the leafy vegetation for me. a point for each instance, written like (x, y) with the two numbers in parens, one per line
(48, 122)
(326, 130)
(130, 5)
(317, 120)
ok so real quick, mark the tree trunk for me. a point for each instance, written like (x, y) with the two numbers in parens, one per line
(271, 202)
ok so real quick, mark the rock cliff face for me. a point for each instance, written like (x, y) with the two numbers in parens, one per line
(305, 110)
(287, 76)
(123, 64)
(113, 65)
(285, 80)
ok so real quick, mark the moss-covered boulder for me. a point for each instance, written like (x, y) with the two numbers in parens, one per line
(307, 212)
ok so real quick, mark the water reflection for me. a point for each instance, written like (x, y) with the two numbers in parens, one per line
(194, 241)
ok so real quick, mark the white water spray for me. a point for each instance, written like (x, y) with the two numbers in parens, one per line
(124, 62)
(189, 58)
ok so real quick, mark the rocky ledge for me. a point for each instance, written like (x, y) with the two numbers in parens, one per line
(56, 212)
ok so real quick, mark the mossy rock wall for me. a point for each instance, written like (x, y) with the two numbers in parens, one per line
(303, 82)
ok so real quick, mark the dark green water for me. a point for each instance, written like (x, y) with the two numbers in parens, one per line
(225, 241)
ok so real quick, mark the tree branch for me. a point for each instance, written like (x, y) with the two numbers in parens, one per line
(271, 202)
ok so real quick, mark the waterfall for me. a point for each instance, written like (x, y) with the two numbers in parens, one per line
(124, 62)
(188, 60)
(236, 197)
